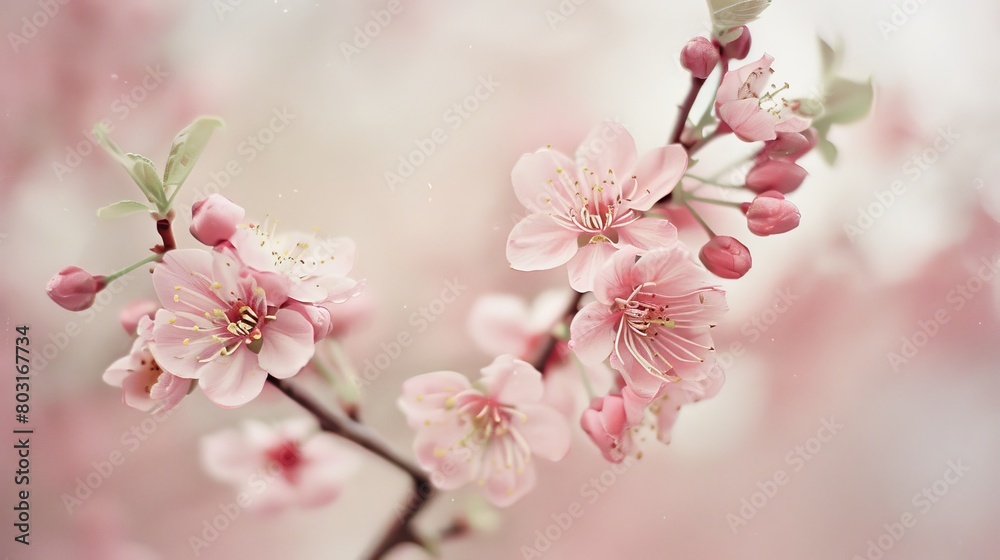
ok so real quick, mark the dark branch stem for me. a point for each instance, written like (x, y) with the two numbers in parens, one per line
(685, 110)
(166, 234)
(550, 343)
(335, 422)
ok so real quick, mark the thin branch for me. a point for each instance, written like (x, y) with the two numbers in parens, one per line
(550, 343)
(335, 422)
(685, 110)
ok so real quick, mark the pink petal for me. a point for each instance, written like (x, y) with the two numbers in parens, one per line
(513, 381)
(424, 396)
(647, 234)
(657, 174)
(671, 271)
(619, 278)
(587, 263)
(118, 371)
(748, 121)
(276, 286)
(169, 348)
(608, 146)
(592, 332)
(185, 269)
(226, 457)
(538, 242)
(792, 124)
(234, 380)
(644, 383)
(169, 390)
(545, 430)
(538, 183)
(504, 487)
(134, 392)
(498, 324)
(288, 344)
(435, 448)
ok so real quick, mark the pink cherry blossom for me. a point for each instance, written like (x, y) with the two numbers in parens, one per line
(296, 265)
(276, 467)
(652, 316)
(488, 432)
(214, 219)
(144, 384)
(74, 288)
(751, 113)
(609, 422)
(673, 396)
(218, 328)
(505, 324)
(585, 210)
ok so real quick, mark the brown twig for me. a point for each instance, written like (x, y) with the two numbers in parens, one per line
(551, 342)
(335, 422)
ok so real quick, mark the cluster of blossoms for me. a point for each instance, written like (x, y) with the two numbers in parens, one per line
(619, 354)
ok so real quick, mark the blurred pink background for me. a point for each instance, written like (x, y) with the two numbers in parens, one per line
(857, 436)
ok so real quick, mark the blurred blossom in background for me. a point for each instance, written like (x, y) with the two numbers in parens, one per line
(860, 414)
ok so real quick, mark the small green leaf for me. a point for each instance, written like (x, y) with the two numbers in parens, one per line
(186, 149)
(828, 151)
(122, 208)
(136, 166)
(847, 101)
(829, 56)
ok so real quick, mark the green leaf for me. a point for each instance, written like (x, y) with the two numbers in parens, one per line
(827, 150)
(829, 56)
(122, 208)
(847, 101)
(136, 166)
(186, 149)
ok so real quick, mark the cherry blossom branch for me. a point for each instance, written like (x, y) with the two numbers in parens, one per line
(685, 110)
(337, 423)
(552, 340)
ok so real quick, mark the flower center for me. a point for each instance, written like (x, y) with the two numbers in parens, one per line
(288, 457)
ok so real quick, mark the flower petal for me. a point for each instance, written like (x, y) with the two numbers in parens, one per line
(423, 398)
(647, 234)
(234, 380)
(587, 263)
(748, 121)
(545, 430)
(608, 146)
(657, 174)
(513, 381)
(543, 181)
(592, 332)
(538, 242)
(288, 344)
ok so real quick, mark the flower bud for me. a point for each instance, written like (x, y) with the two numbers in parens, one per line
(700, 56)
(318, 316)
(789, 146)
(770, 214)
(214, 219)
(725, 257)
(738, 48)
(775, 175)
(133, 312)
(609, 420)
(74, 288)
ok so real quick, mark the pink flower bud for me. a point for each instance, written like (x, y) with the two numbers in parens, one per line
(214, 219)
(74, 288)
(775, 175)
(135, 311)
(725, 257)
(700, 57)
(608, 422)
(738, 48)
(318, 316)
(789, 146)
(770, 214)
